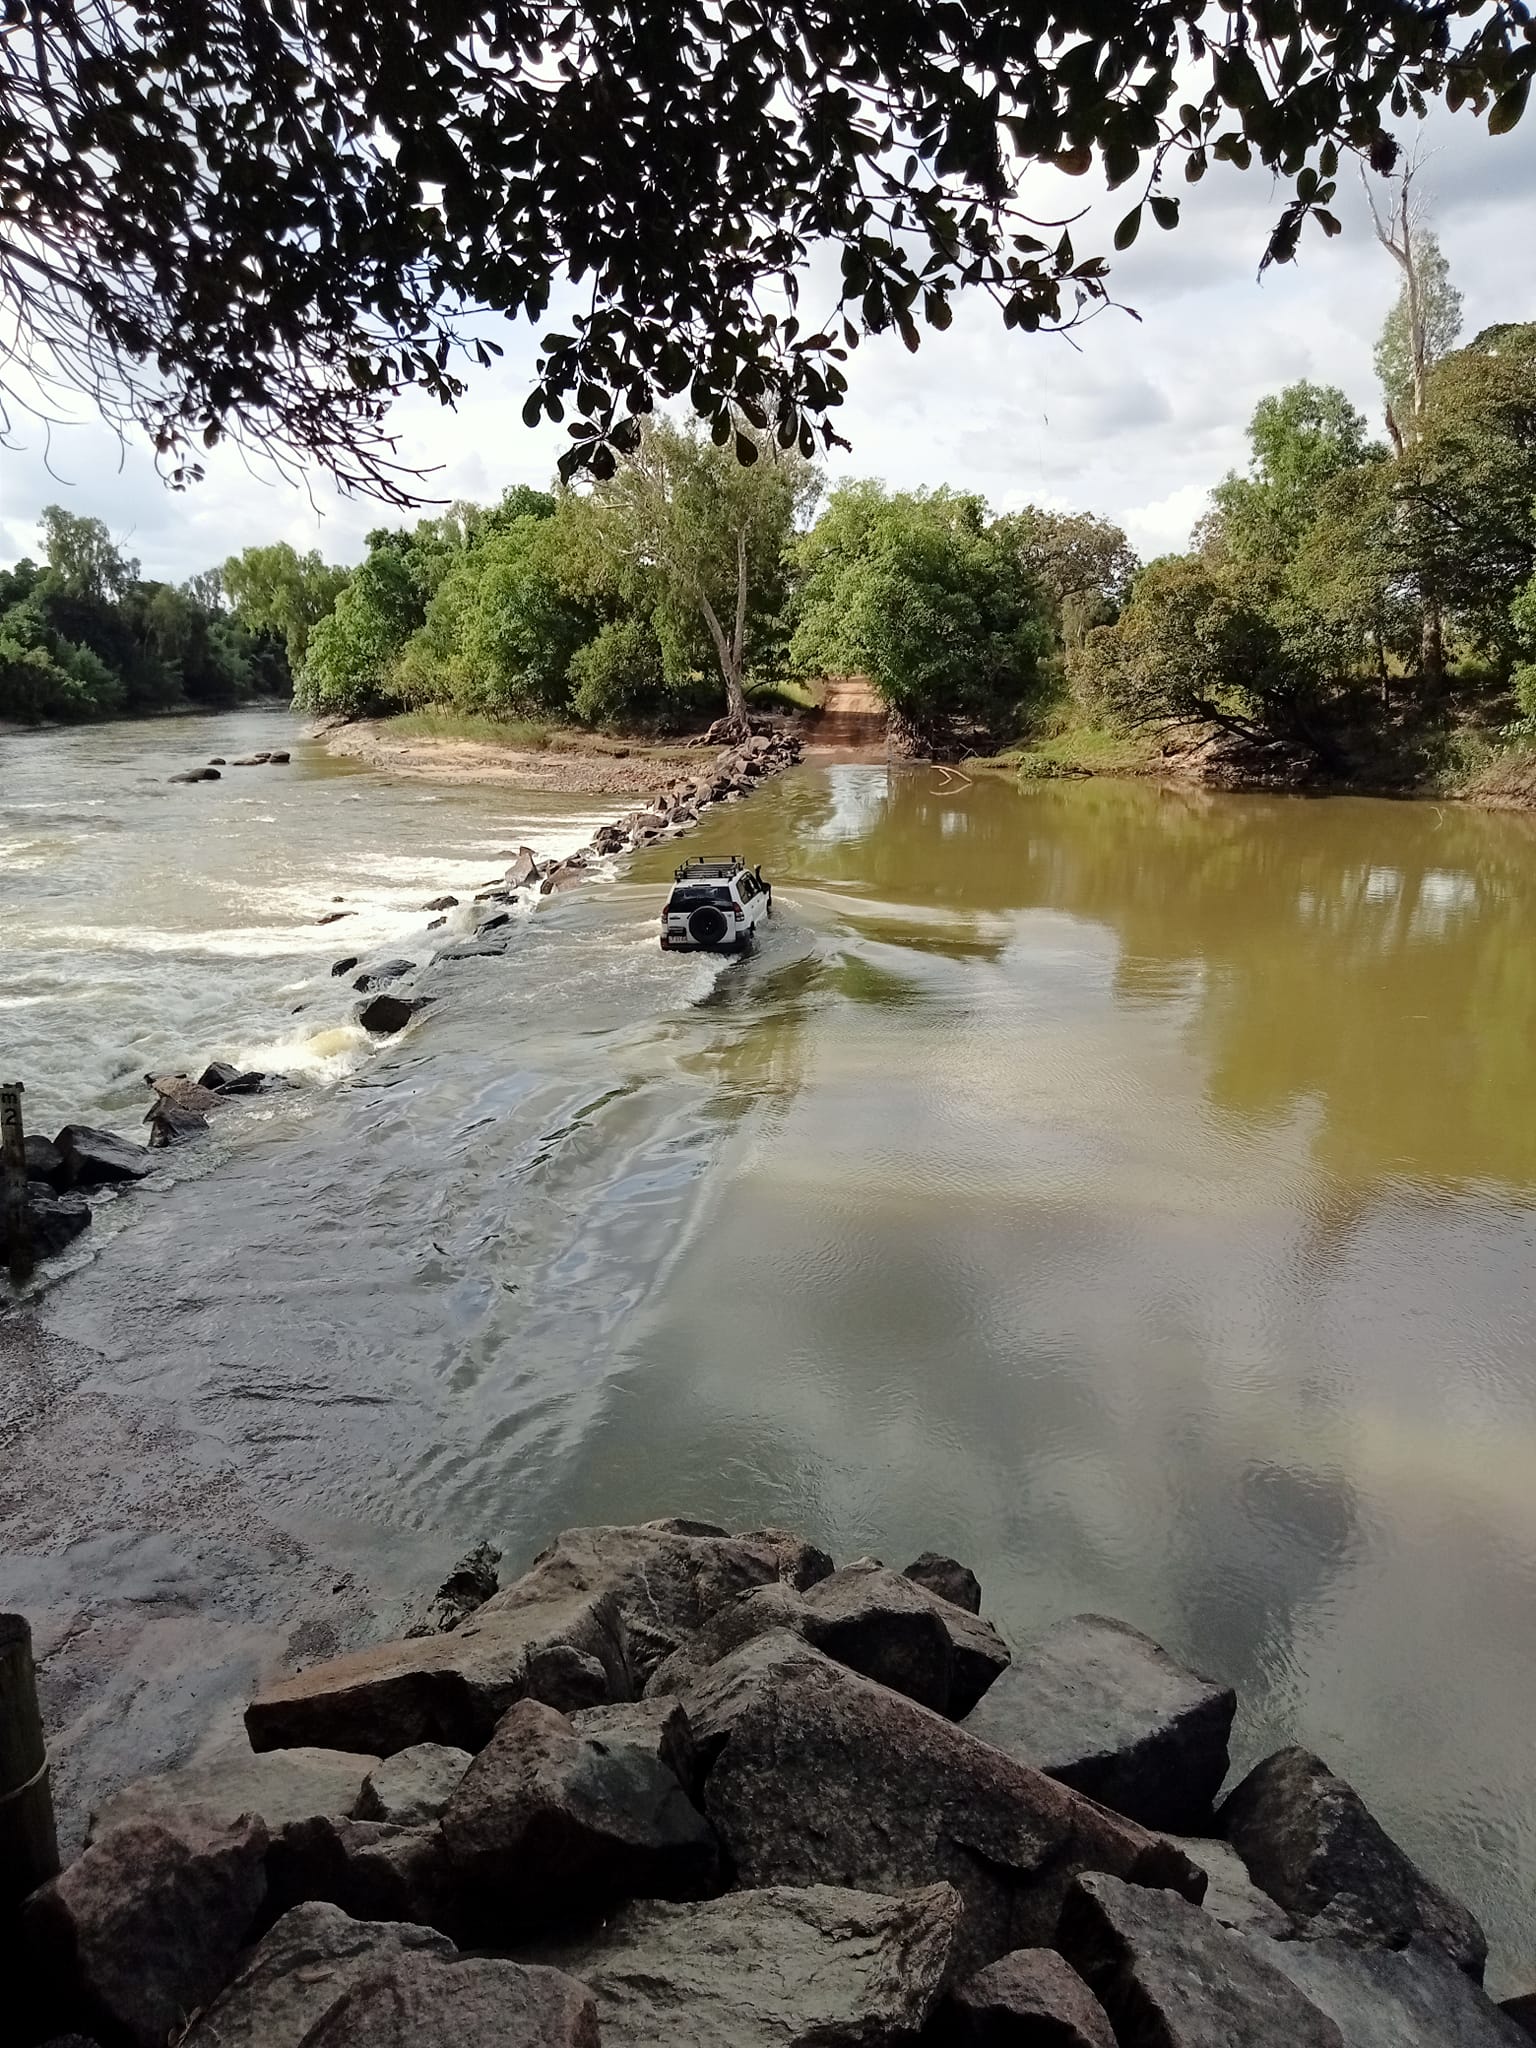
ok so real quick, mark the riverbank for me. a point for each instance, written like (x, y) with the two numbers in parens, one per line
(541, 759)
(1493, 777)
(675, 1786)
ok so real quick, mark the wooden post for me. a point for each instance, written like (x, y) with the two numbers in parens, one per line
(29, 1849)
(15, 1222)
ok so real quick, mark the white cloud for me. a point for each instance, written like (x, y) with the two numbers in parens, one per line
(1133, 418)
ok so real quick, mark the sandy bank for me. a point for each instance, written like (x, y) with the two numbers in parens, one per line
(601, 768)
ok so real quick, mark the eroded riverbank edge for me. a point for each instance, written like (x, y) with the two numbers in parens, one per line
(729, 1791)
(1508, 783)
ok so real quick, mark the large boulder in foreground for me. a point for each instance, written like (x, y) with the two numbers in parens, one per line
(1170, 1977)
(549, 1820)
(778, 1968)
(1103, 1708)
(1032, 1998)
(827, 1778)
(586, 1625)
(1310, 1841)
(297, 1972)
(287, 1785)
(1394, 1998)
(465, 2001)
(97, 1159)
(144, 1927)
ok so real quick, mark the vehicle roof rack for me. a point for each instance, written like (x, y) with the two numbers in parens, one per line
(709, 867)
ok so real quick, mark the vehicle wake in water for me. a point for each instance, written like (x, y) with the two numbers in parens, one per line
(1124, 1188)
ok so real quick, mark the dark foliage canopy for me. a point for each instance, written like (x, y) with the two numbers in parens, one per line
(264, 218)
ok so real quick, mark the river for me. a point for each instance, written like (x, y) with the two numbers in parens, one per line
(1128, 1189)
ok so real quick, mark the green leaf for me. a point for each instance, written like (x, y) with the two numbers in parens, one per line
(746, 450)
(1165, 211)
(1508, 108)
(1128, 229)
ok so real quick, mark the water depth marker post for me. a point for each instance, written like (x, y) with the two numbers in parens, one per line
(29, 1849)
(15, 1223)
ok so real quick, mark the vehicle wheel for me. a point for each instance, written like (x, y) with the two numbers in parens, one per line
(747, 943)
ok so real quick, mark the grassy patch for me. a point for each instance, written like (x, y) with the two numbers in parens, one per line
(1081, 750)
(1503, 776)
(787, 695)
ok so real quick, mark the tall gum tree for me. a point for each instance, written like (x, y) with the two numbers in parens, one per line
(706, 526)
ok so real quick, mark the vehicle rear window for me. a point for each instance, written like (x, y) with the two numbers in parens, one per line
(695, 893)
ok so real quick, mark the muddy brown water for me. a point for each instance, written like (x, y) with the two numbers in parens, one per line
(1129, 1190)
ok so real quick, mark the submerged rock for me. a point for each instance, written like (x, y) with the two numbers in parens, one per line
(55, 1220)
(442, 903)
(344, 965)
(196, 775)
(1170, 1977)
(170, 1124)
(94, 1159)
(385, 1015)
(224, 1079)
(298, 1971)
(1101, 1707)
(182, 1092)
(821, 1967)
(382, 975)
(333, 916)
(145, 1926)
(1310, 1841)
(524, 869)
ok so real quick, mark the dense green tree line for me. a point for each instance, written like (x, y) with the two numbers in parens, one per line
(1359, 605)
(652, 600)
(664, 594)
(83, 635)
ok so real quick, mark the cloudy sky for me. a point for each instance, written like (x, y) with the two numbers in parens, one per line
(1136, 420)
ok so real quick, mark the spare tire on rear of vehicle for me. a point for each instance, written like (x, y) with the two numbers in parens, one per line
(707, 925)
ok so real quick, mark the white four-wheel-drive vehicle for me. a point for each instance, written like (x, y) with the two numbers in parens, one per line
(715, 907)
